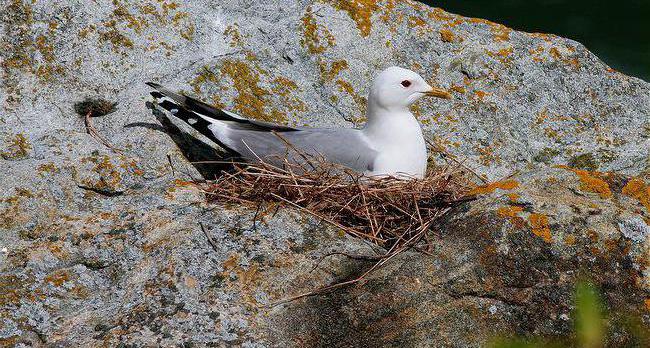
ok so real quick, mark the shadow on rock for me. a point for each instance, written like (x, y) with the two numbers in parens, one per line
(345, 317)
(202, 156)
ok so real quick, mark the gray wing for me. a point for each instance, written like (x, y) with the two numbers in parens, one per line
(253, 140)
(343, 146)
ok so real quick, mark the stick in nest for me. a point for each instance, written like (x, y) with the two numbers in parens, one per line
(395, 214)
(447, 154)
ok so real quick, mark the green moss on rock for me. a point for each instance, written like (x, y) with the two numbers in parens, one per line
(585, 161)
(546, 155)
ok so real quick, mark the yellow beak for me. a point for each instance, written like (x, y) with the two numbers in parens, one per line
(438, 92)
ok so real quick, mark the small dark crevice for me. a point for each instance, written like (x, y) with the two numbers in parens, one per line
(526, 206)
(102, 330)
(95, 266)
(101, 192)
(287, 58)
(466, 73)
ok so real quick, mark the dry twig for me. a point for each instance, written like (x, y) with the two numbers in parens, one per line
(90, 129)
(207, 236)
(452, 157)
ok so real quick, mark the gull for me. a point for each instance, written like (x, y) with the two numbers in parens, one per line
(389, 144)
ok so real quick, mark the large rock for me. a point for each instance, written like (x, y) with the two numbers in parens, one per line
(99, 246)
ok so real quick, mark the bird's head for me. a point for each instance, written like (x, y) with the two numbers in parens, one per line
(397, 88)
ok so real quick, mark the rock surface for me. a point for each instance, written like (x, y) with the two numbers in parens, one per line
(105, 247)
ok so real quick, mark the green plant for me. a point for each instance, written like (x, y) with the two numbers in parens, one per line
(588, 318)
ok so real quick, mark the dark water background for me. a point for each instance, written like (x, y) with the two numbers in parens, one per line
(616, 31)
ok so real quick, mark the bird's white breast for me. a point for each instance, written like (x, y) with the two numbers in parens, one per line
(401, 149)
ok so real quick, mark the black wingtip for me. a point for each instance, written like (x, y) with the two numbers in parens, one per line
(153, 85)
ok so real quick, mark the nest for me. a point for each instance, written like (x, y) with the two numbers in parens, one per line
(392, 213)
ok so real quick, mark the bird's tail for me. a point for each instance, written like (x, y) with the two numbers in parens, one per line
(208, 112)
(190, 103)
(189, 110)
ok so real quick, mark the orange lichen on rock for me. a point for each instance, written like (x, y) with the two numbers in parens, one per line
(480, 95)
(251, 98)
(537, 54)
(206, 75)
(232, 31)
(415, 22)
(45, 48)
(360, 11)
(441, 15)
(502, 185)
(570, 240)
(543, 36)
(345, 86)
(487, 155)
(504, 52)
(637, 189)
(502, 55)
(511, 213)
(459, 89)
(283, 86)
(500, 31)
(389, 6)
(539, 224)
(231, 263)
(188, 32)
(334, 70)
(542, 116)
(183, 183)
(591, 182)
(57, 278)
(513, 197)
(647, 304)
(18, 147)
(314, 42)
(47, 168)
(110, 178)
(447, 35)
(557, 55)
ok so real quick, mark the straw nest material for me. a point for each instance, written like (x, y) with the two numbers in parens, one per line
(392, 213)
(385, 210)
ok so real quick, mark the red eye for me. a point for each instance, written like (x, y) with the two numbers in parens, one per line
(406, 83)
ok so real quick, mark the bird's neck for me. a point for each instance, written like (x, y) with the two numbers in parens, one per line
(386, 124)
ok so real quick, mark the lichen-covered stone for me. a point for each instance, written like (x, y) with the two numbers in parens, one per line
(104, 247)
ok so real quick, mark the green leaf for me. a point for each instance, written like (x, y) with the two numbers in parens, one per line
(590, 330)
